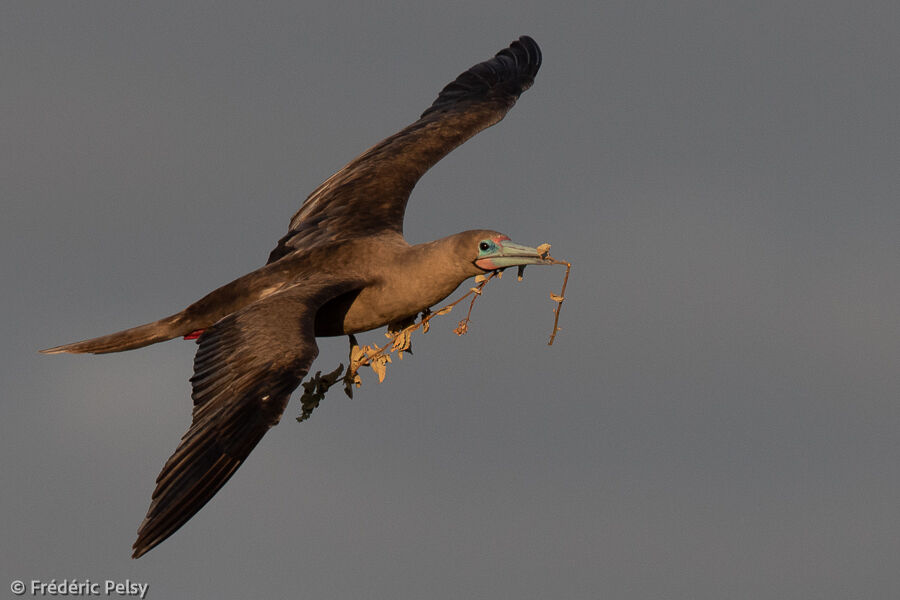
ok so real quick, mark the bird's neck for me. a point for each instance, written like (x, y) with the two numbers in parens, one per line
(410, 279)
(428, 273)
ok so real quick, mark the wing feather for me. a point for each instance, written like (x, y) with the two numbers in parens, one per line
(246, 367)
(368, 196)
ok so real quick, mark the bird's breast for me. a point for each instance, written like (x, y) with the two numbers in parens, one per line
(377, 305)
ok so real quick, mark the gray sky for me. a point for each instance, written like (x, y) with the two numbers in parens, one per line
(720, 416)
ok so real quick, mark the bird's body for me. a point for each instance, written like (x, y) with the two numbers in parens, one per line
(343, 268)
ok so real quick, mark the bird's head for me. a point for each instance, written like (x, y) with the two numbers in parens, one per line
(489, 250)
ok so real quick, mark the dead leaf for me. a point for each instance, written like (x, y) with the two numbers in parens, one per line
(462, 328)
(379, 365)
(314, 391)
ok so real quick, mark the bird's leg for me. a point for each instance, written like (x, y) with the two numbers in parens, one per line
(351, 377)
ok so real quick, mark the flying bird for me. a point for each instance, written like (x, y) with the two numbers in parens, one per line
(343, 267)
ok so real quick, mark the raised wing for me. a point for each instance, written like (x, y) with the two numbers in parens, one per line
(368, 196)
(245, 369)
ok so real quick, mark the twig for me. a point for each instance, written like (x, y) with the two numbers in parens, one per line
(376, 357)
(369, 355)
(463, 327)
(559, 298)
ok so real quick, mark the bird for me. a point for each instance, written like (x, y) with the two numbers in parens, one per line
(343, 267)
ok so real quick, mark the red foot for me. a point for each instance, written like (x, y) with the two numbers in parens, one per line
(194, 335)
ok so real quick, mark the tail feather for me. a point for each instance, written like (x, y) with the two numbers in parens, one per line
(129, 339)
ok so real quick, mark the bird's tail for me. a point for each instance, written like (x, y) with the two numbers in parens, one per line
(129, 339)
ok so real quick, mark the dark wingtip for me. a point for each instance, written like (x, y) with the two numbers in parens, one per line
(142, 545)
(509, 73)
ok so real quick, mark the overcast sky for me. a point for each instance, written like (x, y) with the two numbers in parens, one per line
(719, 417)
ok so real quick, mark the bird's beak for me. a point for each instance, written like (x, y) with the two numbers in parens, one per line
(510, 254)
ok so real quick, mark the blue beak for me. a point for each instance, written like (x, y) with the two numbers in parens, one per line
(509, 254)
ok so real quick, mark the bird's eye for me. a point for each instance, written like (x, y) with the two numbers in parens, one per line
(484, 246)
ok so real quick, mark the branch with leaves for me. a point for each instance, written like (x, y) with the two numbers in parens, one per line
(399, 340)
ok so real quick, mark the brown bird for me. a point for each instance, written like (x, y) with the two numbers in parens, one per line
(343, 267)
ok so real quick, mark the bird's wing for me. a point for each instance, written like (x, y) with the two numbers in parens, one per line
(245, 369)
(368, 196)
